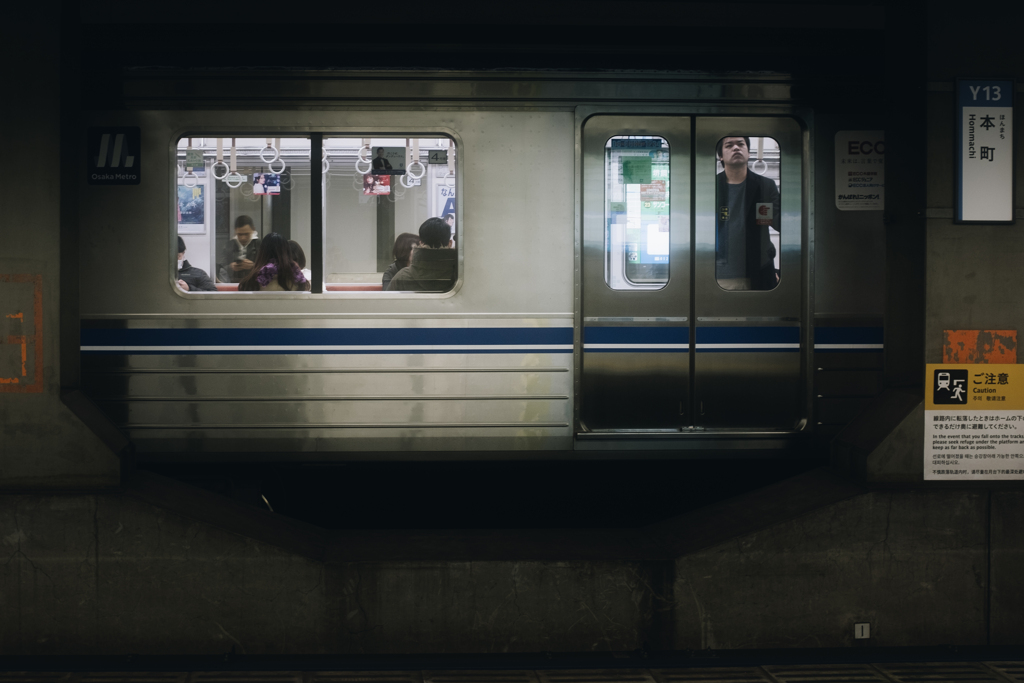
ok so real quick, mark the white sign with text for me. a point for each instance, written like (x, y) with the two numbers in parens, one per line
(984, 170)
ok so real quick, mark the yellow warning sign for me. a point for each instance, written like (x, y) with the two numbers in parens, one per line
(974, 422)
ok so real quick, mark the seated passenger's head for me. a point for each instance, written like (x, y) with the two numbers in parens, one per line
(274, 248)
(243, 230)
(298, 255)
(450, 219)
(181, 250)
(435, 233)
(733, 150)
(402, 250)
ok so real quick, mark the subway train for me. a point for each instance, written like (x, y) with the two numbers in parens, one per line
(654, 264)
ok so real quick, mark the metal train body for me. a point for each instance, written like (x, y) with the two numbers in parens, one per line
(532, 353)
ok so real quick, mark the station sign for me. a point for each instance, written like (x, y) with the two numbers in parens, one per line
(114, 156)
(860, 170)
(984, 154)
(974, 422)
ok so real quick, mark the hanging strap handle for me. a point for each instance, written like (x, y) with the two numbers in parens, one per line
(215, 169)
(760, 158)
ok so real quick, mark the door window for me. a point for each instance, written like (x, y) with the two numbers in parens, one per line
(636, 212)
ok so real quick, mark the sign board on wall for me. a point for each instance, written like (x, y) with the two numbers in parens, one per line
(974, 422)
(860, 170)
(984, 155)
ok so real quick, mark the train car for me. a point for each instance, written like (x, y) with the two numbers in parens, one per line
(639, 263)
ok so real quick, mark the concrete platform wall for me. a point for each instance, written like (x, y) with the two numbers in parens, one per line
(108, 574)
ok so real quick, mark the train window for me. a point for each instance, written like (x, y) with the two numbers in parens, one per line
(233, 194)
(390, 214)
(748, 218)
(636, 212)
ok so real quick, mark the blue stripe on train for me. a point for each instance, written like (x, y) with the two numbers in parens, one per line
(849, 335)
(748, 335)
(624, 339)
(636, 335)
(735, 339)
(528, 337)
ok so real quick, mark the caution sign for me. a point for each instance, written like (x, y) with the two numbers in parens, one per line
(974, 422)
(114, 156)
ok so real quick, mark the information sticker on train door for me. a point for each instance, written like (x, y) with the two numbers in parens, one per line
(974, 422)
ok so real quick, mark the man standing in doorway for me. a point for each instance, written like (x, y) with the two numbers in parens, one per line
(748, 204)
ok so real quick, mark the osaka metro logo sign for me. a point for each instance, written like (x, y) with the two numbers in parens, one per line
(114, 156)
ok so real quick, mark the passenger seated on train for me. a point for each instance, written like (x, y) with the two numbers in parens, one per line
(189, 278)
(239, 254)
(745, 255)
(299, 257)
(433, 266)
(402, 251)
(274, 269)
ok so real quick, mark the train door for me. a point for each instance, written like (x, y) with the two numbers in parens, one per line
(692, 285)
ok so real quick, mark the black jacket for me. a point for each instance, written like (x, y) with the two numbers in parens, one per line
(196, 278)
(760, 264)
(233, 250)
(430, 270)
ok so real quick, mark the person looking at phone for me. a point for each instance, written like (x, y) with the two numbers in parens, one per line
(748, 204)
(239, 254)
(189, 278)
(433, 265)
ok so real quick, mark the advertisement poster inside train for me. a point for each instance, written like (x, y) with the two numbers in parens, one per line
(974, 422)
(388, 161)
(376, 184)
(191, 210)
(860, 170)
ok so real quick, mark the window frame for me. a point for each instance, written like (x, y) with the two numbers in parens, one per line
(308, 132)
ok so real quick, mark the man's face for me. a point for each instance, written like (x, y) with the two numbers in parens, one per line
(181, 256)
(735, 152)
(380, 152)
(244, 234)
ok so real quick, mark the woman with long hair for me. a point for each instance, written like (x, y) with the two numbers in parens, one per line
(274, 269)
(402, 252)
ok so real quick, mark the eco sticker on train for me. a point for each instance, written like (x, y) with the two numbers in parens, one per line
(763, 213)
(974, 422)
(860, 170)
